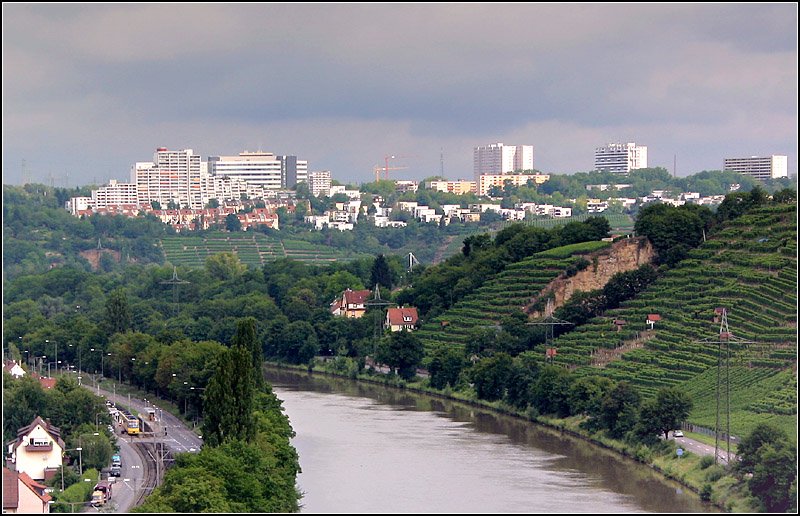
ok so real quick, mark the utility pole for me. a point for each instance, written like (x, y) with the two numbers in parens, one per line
(724, 337)
(550, 322)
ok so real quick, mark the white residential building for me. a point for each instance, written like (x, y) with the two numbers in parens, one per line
(459, 187)
(498, 159)
(264, 169)
(37, 450)
(620, 158)
(171, 176)
(761, 168)
(480, 208)
(115, 194)
(487, 181)
(402, 186)
(77, 204)
(319, 182)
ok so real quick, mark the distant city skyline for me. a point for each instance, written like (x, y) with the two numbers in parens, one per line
(89, 90)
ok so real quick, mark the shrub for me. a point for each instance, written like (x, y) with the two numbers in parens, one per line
(705, 492)
(715, 473)
(706, 461)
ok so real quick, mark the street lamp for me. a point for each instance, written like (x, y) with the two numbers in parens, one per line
(48, 368)
(79, 449)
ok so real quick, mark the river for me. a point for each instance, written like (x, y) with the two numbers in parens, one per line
(370, 449)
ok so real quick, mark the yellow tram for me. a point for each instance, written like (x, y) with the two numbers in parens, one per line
(129, 422)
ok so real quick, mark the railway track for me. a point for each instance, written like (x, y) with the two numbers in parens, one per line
(152, 471)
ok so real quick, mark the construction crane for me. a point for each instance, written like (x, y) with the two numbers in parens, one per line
(386, 167)
(377, 170)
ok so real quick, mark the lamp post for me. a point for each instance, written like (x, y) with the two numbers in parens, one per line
(48, 368)
(79, 449)
(41, 359)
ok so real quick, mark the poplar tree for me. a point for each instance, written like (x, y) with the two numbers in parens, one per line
(228, 406)
(246, 337)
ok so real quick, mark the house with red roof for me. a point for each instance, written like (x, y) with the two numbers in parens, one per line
(23, 495)
(14, 369)
(401, 318)
(353, 303)
(37, 450)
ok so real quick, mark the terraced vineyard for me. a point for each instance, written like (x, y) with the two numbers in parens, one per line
(253, 249)
(750, 268)
(507, 292)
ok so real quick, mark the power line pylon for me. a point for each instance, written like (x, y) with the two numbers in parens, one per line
(175, 281)
(550, 322)
(724, 337)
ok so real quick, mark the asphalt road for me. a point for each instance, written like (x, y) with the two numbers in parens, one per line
(178, 439)
(699, 448)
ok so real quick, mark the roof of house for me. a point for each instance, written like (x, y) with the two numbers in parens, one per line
(336, 305)
(9, 365)
(35, 486)
(653, 317)
(10, 489)
(47, 383)
(402, 316)
(53, 431)
(356, 297)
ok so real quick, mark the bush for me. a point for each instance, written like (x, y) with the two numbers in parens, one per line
(706, 461)
(705, 492)
(715, 473)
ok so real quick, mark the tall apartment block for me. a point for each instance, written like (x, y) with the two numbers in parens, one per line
(171, 176)
(319, 182)
(770, 167)
(263, 169)
(620, 158)
(498, 159)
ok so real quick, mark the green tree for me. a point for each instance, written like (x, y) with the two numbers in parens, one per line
(118, 317)
(749, 449)
(490, 376)
(380, 274)
(774, 475)
(402, 351)
(232, 223)
(228, 405)
(225, 266)
(247, 337)
(663, 414)
(620, 409)
(445, 366)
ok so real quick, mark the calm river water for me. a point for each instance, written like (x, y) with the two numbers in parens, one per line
(369, 449)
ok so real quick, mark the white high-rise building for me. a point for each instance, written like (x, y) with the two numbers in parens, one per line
(115, 193)
(498, 159)
(319, 182)
(620, 158)
(770, 167)
(171, 176)
(263, 169)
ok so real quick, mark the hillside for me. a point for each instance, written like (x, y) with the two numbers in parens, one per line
(253, 249)
(750, 269)
(506, 293)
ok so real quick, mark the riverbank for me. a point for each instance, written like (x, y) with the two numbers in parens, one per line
(705, 479)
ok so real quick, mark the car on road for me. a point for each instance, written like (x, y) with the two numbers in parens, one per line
(677, 433)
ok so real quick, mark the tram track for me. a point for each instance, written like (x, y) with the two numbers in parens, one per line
(150, 471)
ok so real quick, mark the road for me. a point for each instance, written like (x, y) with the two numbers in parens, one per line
(700, 448)
(130, 484)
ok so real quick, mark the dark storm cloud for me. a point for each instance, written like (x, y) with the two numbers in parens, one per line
(401, 75)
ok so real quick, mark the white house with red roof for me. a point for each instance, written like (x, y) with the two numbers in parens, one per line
(14, 368)
(401, 318)
(37, 450)
(23, 495)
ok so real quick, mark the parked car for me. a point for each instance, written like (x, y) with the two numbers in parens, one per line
(677, 433)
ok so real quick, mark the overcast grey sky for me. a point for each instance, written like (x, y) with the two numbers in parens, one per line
(89, 89)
